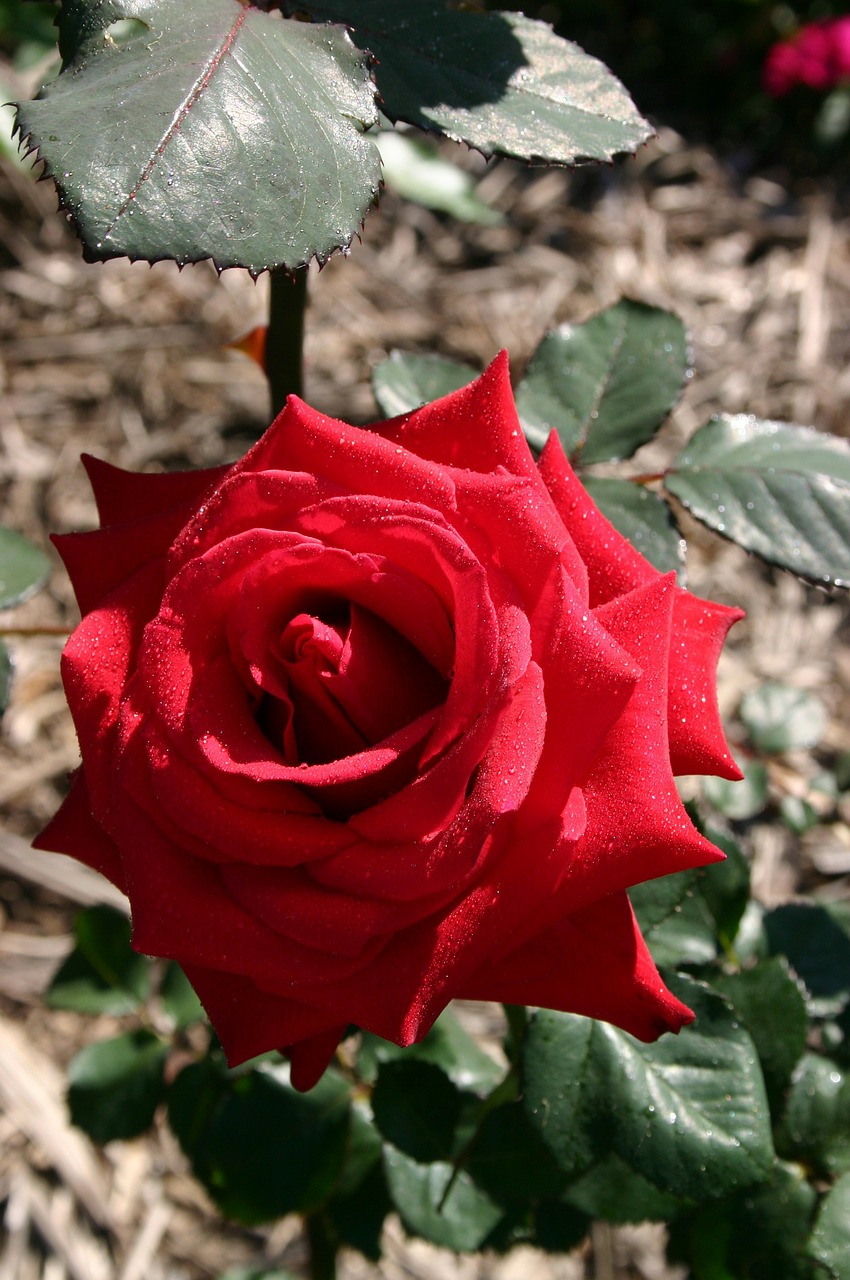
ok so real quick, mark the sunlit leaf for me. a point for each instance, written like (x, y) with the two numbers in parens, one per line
(193, 129)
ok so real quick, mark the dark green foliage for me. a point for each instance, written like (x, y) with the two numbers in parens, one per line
(115, 1086)
(102, 974)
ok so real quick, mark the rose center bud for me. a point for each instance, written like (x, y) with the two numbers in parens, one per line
(352, 682)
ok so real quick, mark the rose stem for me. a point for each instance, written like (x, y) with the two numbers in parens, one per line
(323, 1244)
(285, 336)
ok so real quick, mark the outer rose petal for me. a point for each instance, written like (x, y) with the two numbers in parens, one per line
(74, 831)
(697, 741)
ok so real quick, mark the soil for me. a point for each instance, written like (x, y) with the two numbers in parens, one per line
(129, 362)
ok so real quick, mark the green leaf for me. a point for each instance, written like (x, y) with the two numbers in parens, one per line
(179, 999)
(447, 1045)
(405, 382)
(615, 1193)
(103, 974)
(606, 385)
(725, 886)
(6, 671)
(416, 170)
(818, 951)
(498, 81)
(363, 1149)
(642, 517)
(742, 800)
(830, 1243)
(260, 1148)
(760, 1234)
(687, 1113)
(778, 490)
(797, 814)
(417, 1108)
(358, 1216)
(209, 129)
(115, 1086)
(23, 568)
(509, 1161)
(773, 1010)
(816, 1125)
(780, 718)
(674, 919)
(457, 1217)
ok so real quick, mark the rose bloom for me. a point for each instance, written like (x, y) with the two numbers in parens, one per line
(817, 56)
(380, 717)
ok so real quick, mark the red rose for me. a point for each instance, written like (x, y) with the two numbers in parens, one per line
(377, 718)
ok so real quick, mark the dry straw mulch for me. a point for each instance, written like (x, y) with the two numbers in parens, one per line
(128, 362)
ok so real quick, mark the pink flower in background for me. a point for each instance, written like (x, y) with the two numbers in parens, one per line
(818, 56)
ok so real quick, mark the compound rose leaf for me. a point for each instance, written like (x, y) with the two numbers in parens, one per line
(773, 1009)
(687, 1113)
(780, 718)
(115, 1086)
(815, 1127)
(499, 81)
(234, 1128)
(817, 949)
(509, 1161)
(644, 518)
(405, 382)
(438, 1203)
(778, 490)
(615, 1193)
(193, 129)
(103, 974)
(23, 568)
(417, 1108)
(830, 1242)
(605, 385)
(674, 919)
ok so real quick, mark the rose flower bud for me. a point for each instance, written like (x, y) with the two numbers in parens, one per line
(380, 717)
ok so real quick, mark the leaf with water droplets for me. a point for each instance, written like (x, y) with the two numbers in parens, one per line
(687, 1113)
(605, 385)
(193, 129)
(499, 81)
(778, 490)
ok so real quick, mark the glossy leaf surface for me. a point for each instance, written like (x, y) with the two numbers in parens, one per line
(499, 81)
(192, 129)
(605, 385)
(778, 490)
(688, 1113)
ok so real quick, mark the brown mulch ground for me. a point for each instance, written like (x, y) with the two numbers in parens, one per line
(127, 362)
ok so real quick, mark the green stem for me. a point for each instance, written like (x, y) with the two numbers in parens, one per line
(285, 336)
(323, 1243)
